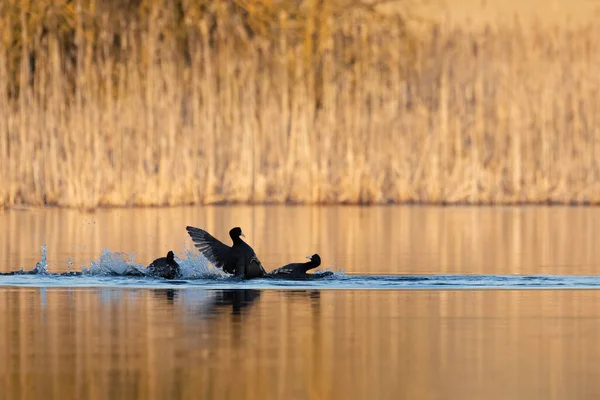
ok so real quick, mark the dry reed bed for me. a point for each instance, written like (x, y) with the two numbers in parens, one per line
(505, 115)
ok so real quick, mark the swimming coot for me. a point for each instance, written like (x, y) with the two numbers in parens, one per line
(297, 270)
(164, 267)
(238, 259)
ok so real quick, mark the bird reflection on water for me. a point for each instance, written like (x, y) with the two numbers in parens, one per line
(237, 301)
(220, 299)
(169, 294)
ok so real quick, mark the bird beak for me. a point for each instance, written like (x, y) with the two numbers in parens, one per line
(309, 257)
(242, 235)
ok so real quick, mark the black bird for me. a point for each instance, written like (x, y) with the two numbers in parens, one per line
(297, 270)
(164, 267)
(238, 259)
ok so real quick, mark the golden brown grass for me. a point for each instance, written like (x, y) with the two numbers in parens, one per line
(480, 13)
(181, 103)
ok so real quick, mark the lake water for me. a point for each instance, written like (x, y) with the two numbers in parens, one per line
(505, 307)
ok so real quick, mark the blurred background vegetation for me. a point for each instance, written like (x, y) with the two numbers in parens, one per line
(146, 102)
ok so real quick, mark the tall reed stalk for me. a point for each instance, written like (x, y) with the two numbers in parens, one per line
(184, 102)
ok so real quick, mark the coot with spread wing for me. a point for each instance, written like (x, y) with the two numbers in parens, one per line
(239, 259)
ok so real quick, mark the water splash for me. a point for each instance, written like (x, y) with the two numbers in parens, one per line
(41, 267)
(195, 266)
(115, 263)
(192, 266)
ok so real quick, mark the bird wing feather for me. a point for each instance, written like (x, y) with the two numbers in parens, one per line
(215, 251)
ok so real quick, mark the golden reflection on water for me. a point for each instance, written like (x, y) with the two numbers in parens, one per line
(361, 240)
(156, 344)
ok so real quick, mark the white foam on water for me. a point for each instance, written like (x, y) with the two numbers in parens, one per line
(195, 266)
(192, 266)
(114, 263)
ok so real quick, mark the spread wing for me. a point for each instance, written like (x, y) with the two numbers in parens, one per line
(214, 250)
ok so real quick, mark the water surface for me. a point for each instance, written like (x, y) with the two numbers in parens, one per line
(357, 334)
(357, 240)
(195, 343)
